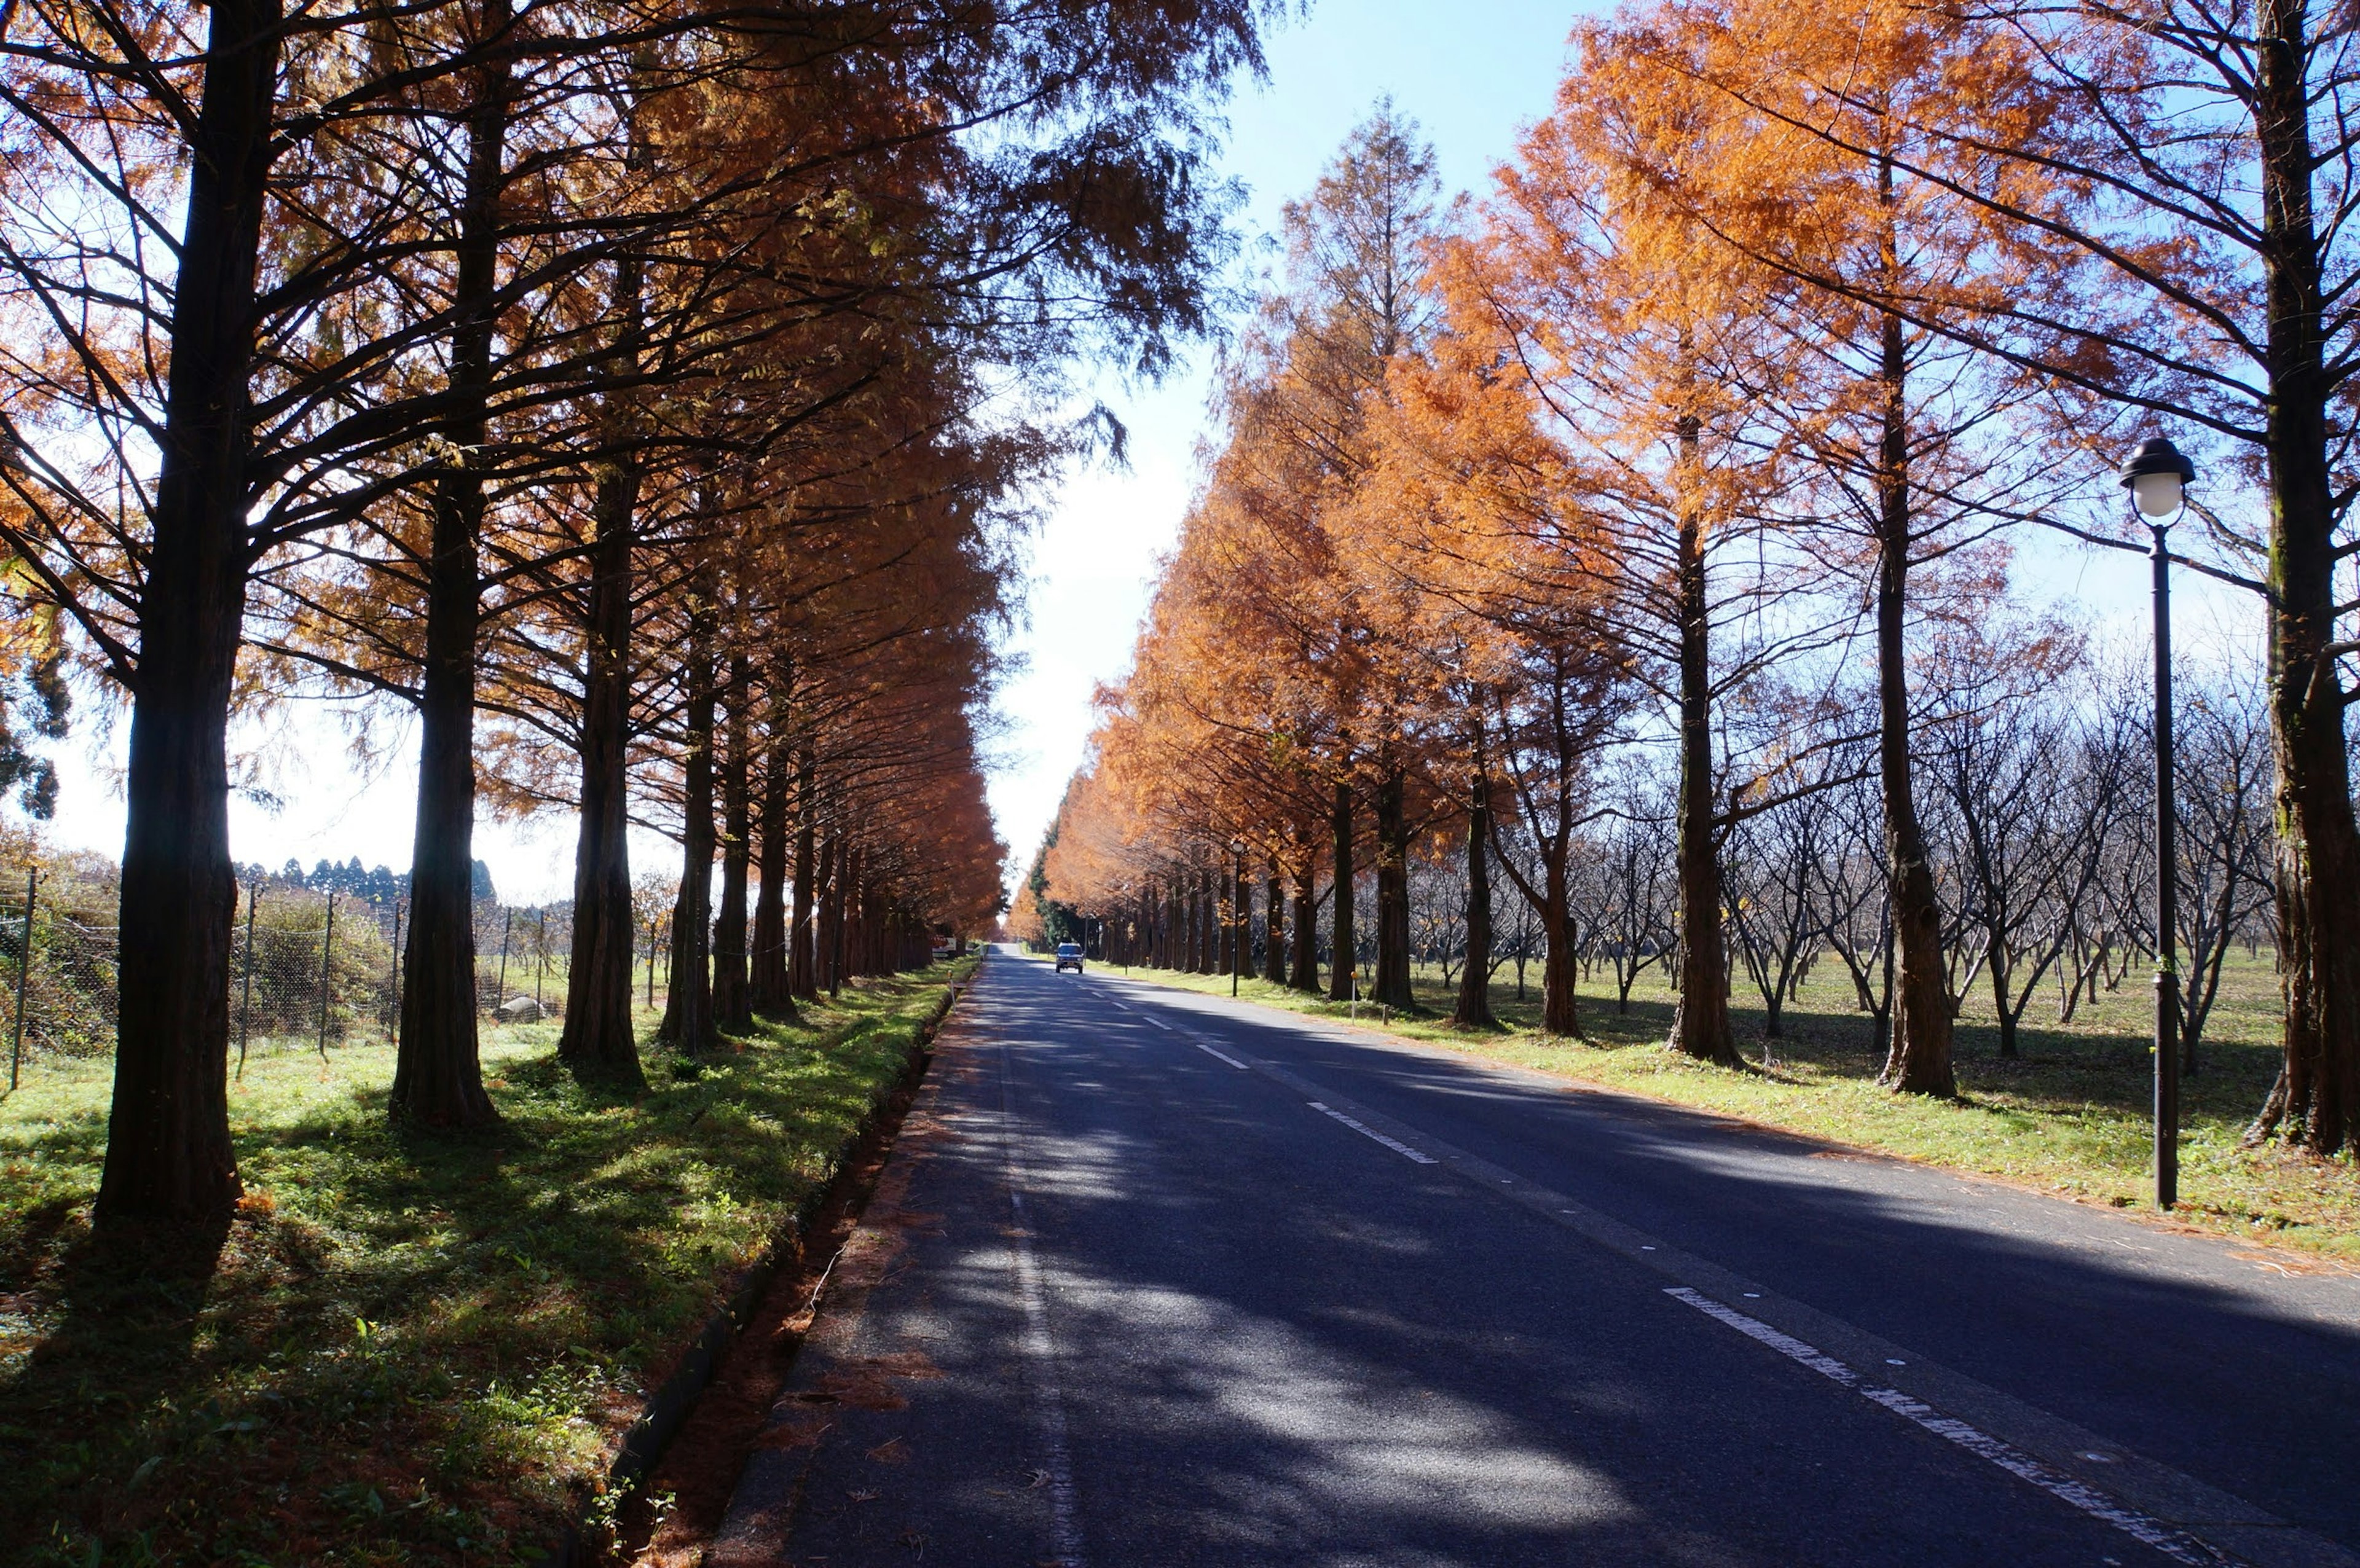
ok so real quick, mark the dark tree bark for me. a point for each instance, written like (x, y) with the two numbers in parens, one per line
(803, 952)
(1343, 975)
(1552, 900)
(1560, 1003)
(1211, 952)
(769, 983)
(1225, 920)
(1273, 943)
(598, 1042)
(1919, 1060)
(1474, 1009)
(1201, 922)
(1393, 895)
(1701, 1021)
(1192, 925)
(168, 1148)
(1304, 975)
(438, 1078)
(846, 912)
(688, 1020)
(2316, 1101)
(733, 1005)
(823, 923)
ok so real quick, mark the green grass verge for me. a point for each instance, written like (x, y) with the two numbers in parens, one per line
(2070, 1115)
(405, 1349)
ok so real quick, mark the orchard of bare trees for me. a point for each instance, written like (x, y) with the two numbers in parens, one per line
(1629, 556)
(637, 397)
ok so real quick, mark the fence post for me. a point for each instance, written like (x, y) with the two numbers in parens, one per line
(327, 953)
(540, 962)
(246, 1001)
(508, 923)
(24, 973)
(393, 983)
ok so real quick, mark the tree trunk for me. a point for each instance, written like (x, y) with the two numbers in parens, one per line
(824, 897)
(1343, 974)
(2317, 1097)
(733, 1005)
(688, 1021)
(1304, 967)
(1560, 1003)
(1393, 896)
(772, 992)
(438, 1079)
(1273, 939)
(840, 893)
(1701, 1021)
(168, 1148)
(1225, 919)
(1474, 1009)
(802, 954)
(1919, 1062)
(1208, 940)
(598, 1042)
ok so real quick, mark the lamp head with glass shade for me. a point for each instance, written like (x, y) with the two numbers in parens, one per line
(2157, 476)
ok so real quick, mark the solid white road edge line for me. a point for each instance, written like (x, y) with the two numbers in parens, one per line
(1365, 1130)
(1065, 1513)
(2139, 1527)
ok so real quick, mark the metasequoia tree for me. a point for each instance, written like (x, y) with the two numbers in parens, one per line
(194, 404)
(1637, 341)
(1471, 505)
(2203, 163)
(1296, 400)
(1905, 429)
(181, 400)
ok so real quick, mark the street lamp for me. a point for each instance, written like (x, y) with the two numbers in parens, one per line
(2157, 476)
(1240, 919)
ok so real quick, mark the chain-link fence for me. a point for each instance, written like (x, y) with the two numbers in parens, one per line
(309, 971)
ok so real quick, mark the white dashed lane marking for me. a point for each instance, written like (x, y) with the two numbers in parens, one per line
(1365, 1130)
(1217, 1055)
(2142, 1528)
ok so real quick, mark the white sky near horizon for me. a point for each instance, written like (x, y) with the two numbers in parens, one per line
(1470, 74)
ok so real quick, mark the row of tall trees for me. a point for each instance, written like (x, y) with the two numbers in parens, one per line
(636, 393)
(1698, 449)
(2038, 819)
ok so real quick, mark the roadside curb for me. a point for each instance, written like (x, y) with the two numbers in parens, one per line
(667, 1409)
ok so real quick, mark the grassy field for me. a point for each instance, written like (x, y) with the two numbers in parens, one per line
(404, 1349)
(2069, 1116)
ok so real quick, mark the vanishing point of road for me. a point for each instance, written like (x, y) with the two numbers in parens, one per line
(1155, 1277)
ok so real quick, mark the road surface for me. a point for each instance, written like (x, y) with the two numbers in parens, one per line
(1158, 1278)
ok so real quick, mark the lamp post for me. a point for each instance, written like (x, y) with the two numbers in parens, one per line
(1240, 919)
(2157, 476)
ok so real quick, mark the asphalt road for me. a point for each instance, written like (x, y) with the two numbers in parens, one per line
(1158, 1278)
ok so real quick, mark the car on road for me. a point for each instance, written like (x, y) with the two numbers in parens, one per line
(1069, 955)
